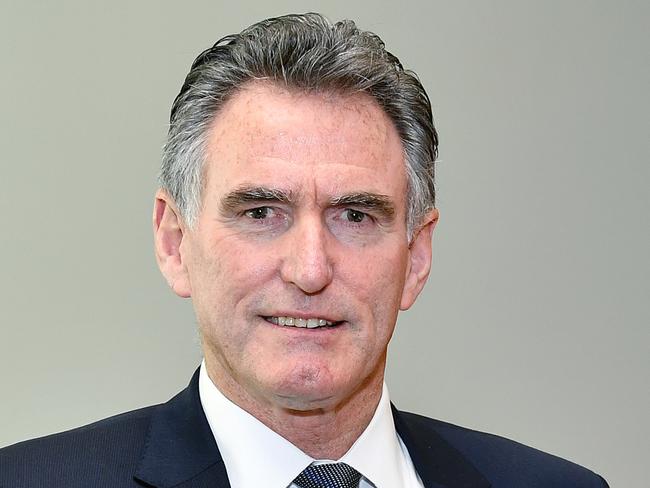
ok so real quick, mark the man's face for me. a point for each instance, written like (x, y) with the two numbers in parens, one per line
(303, 224)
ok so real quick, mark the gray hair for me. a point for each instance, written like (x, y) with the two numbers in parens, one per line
(306, 52)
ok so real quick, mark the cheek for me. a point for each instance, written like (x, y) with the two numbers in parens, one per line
(232, 274)
(377, 282)
(380, 273)
(246, 268)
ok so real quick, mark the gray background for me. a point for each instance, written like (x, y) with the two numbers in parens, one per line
(534, 324)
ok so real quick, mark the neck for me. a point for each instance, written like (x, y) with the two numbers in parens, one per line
(323, 431)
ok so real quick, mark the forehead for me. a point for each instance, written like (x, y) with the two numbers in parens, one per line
(267, 132)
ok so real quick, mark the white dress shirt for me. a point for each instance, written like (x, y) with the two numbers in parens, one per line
(255, 456)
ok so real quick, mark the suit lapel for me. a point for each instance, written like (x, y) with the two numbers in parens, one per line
(437, 462)
(180, 450)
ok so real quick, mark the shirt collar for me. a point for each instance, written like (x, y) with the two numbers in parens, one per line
(377, 453)
(277, 462)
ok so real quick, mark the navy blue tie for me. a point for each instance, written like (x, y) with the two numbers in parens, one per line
(333, 475)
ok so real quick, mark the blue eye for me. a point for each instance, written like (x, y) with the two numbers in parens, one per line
(354, 215)
(258, 213)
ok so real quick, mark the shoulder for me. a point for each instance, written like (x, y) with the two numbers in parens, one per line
(106, 450)
(502, 461)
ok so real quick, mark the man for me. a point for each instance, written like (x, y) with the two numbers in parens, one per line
(296, 210)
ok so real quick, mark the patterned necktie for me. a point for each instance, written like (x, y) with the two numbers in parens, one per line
(333, 475)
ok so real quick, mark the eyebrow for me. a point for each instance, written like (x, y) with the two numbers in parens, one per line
(249, 194)
(373, 202)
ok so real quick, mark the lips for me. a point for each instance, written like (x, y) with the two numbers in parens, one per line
(301, 322)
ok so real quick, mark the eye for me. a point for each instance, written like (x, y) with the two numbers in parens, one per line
(264, 218)
(258, 213)
(354, 215)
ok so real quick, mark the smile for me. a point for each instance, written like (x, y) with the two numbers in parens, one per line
(310, 323)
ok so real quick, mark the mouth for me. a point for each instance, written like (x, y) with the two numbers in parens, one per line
(301, 322)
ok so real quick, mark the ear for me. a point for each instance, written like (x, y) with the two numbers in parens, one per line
(168, 232)
(419, 264)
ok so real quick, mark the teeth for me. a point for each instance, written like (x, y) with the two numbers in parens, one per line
(310, 323)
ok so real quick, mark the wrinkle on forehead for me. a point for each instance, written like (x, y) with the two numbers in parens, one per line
(278, 161)
(325, 183)
(263, 123)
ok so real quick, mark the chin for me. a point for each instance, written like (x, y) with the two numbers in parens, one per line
(312, 389)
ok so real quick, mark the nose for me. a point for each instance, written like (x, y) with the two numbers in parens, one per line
(307, 260)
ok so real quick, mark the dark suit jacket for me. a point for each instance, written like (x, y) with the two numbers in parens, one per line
(171, 445)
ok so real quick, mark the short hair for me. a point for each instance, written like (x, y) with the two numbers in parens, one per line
(305, 52)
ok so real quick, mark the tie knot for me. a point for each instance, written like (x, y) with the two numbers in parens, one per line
(332, 475)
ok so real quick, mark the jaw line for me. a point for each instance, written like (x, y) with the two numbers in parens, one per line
(300, 407)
